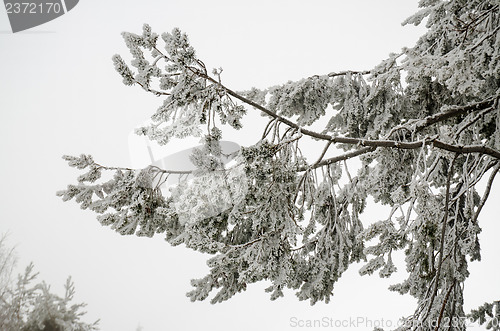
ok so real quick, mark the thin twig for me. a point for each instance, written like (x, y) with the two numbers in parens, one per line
(489, 35)
(444, 304)
(322, 154)
(443, 231)
(486, 192)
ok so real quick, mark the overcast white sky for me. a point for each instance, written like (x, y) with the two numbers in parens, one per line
(59, 94)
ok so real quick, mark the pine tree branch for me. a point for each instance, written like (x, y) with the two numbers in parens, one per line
(158, 169)
(148, 89)
(420, 125)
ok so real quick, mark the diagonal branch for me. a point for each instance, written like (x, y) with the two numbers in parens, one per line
(343, 157)
(420, 125)
(454, 111)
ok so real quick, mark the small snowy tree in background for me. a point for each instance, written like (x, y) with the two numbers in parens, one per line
(424, 125)
(8, 260)
(25, 306)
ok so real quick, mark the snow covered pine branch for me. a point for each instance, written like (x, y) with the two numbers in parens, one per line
(423, 145)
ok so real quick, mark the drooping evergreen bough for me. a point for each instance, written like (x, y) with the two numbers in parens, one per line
(423, 143)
